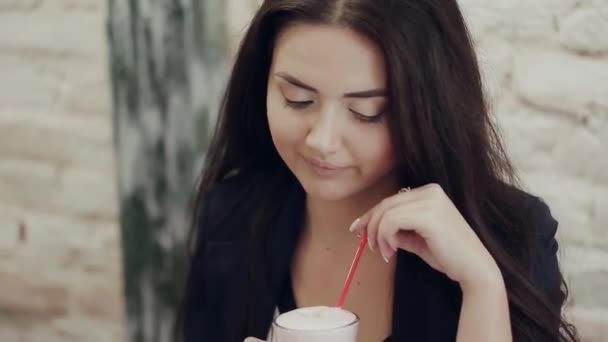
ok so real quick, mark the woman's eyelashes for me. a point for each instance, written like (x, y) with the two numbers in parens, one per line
(367, 118)
(297, 104)
(300, 105)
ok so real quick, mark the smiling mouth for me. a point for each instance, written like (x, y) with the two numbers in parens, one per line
(323, 165)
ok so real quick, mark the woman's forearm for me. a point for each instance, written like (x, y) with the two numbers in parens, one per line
(484, 315)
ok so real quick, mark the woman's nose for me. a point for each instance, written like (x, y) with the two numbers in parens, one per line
(324, 136)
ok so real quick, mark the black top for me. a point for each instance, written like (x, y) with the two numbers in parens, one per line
(287, 300)
(435, 299)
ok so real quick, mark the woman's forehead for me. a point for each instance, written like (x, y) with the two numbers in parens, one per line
(329, 56)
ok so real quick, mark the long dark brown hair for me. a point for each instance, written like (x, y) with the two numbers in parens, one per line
(439, 125)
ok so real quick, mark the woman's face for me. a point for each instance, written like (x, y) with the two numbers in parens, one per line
(326, 111)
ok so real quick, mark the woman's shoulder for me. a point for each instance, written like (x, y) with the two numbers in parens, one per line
(535, 213)
(221, 201)
(544, 268)
(522, 222)
(226, 189)
(540, 226)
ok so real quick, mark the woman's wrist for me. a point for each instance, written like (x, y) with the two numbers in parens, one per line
(486, 283)
(484, 314)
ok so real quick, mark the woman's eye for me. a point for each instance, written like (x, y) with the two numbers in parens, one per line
(297, 104)
(367, 118)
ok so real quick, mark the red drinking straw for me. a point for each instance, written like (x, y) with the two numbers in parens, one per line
(351, 272)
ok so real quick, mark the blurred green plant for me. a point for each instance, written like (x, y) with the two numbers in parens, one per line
(167, 60)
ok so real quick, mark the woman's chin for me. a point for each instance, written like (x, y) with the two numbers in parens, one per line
(328, 192)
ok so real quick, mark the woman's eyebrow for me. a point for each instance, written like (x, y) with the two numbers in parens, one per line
(358, 94)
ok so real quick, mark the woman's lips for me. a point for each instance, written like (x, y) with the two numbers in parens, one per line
(324, 169)
(324, 164)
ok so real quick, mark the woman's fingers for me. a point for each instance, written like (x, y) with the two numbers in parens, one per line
(371, 219)
(402, 221)
(395, 220)
(425, 221)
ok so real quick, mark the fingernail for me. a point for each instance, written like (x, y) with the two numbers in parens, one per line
(386, 256)
(369, 244)
(353, 226)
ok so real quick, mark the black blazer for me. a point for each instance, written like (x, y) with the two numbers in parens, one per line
(426, 303)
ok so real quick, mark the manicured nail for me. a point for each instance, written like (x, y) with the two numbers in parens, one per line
(386, 255)
(354, 225)
(369, 244)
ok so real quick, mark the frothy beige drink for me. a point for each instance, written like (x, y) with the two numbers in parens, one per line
(316, 324)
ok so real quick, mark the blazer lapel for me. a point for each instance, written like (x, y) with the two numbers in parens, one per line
(229, 265)
(280, 244)
(283, 237)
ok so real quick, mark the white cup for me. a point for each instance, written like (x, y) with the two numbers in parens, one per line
(316, 324)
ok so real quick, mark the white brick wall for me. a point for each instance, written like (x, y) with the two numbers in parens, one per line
(59, 240)
(546, 67)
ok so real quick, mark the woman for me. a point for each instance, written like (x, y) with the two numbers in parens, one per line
(331, 108)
